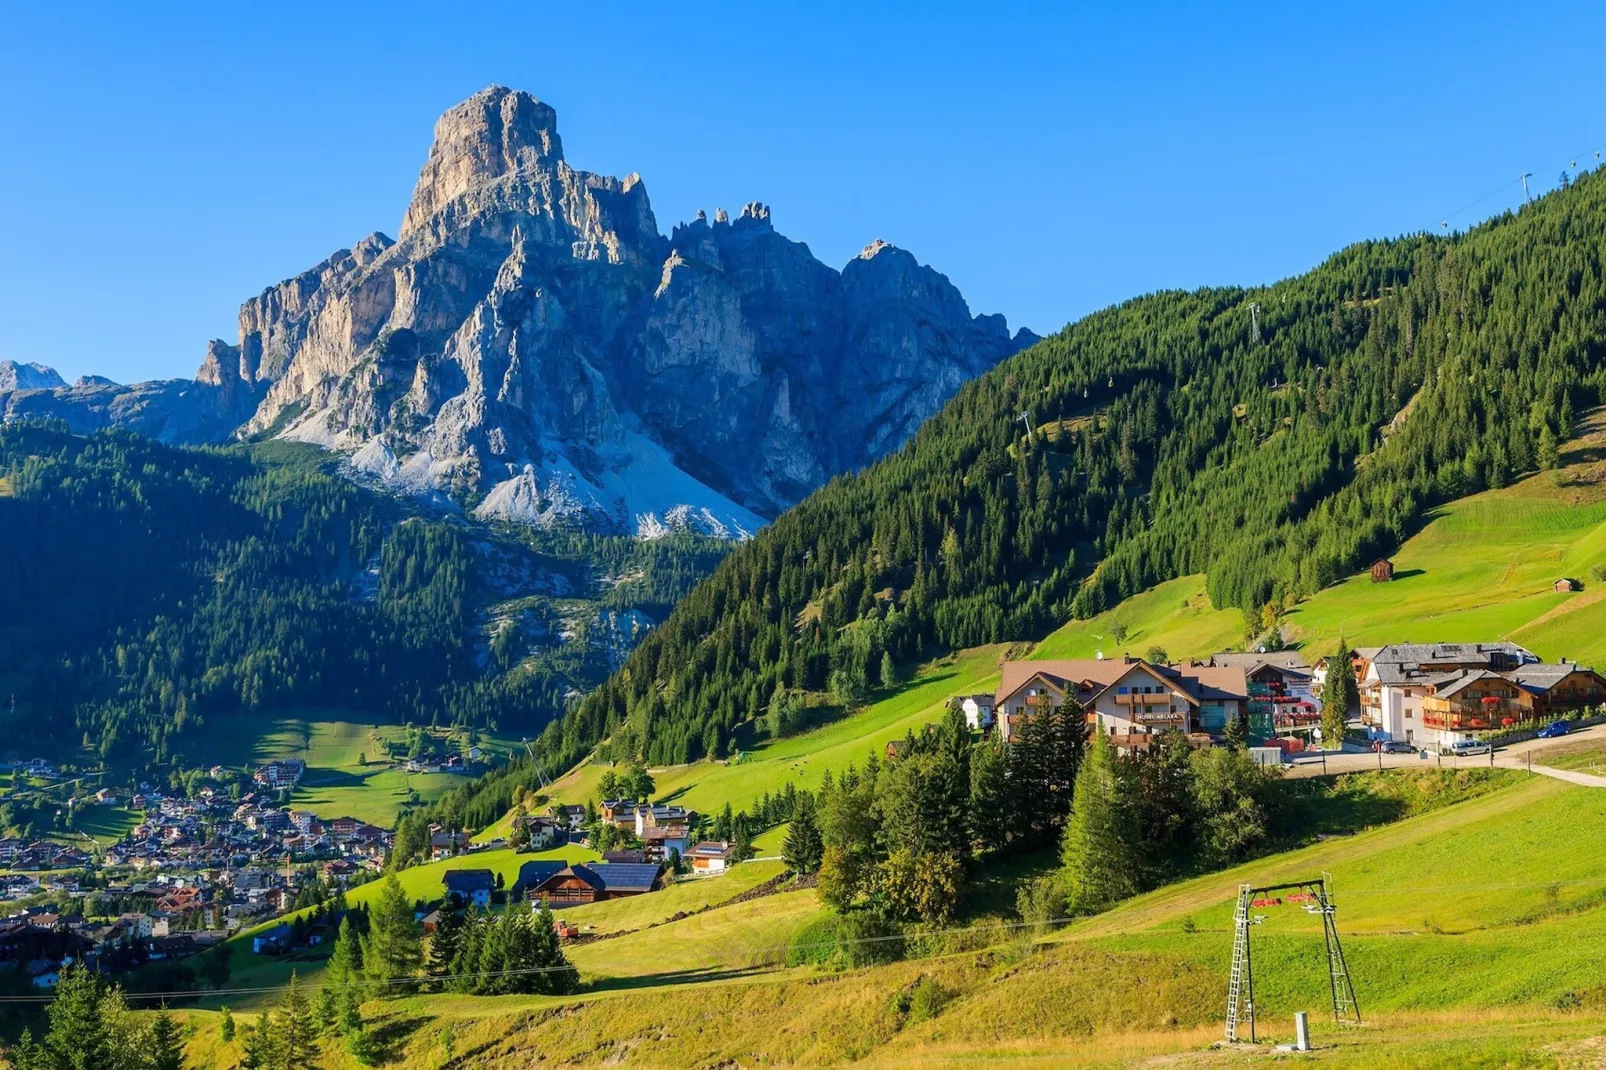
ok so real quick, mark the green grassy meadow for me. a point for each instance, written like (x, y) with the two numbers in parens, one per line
(1481, 569)
(108, 824)
(685, 896)
(1472, 931)
(347, 769)
(804, 758)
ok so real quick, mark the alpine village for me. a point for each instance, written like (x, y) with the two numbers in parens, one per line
(549, 637)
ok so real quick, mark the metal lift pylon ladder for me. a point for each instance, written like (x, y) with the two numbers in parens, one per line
(1344, 1002)
(1241, 983)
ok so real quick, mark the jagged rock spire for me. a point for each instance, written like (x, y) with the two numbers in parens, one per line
(495, 133)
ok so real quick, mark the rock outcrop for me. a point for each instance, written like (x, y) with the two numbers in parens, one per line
(532, 347)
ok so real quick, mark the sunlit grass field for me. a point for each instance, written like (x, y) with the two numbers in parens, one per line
(1481, 569)
(348, 772)
(804, 758)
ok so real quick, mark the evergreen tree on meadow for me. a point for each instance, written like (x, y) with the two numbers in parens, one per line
(558, 977)
(804, 846)
(1339, 694)
(990, 794)
(1099, 853)
(259, 1049)
(166, 1049)
(295, 1029)
(465, 972)
(444, 944)
(77, 1037)
(741, 839)
(393, 950)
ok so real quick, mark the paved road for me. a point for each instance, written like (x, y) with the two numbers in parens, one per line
(1513, 756)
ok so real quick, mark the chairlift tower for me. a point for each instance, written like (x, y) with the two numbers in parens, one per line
(1254, 322)
(1241, 982)
(1523, 178)
(540, 770)
(1026, 419)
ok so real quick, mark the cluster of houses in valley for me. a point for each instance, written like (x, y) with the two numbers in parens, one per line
(1430, 695)
(663, 830)
(198, 867)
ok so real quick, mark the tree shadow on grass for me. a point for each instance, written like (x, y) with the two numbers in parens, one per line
(700, 975)
(392, 1032)
(323, 777)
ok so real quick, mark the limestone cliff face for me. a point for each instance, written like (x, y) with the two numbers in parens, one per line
(533, 347)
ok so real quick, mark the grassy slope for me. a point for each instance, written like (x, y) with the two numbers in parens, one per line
(685, 896)
(1481, 569)
(804, 758)
(1462, 926)
(337, 782)
(108, 824)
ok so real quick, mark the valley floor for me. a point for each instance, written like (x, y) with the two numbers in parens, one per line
(1473, 933)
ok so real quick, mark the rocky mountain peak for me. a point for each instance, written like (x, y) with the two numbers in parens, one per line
(498, 133)
(533, 348)
(15, 376)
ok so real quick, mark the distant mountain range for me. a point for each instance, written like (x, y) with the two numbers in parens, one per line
(532, 348)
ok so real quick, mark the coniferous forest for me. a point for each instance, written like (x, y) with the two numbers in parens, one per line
(147, 589)
(1274, 438)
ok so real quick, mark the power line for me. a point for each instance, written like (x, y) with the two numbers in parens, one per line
(915, 935)
(532, 970)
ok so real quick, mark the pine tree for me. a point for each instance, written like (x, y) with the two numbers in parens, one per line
(494, 950)
(77, 1037)
(259, 1045)
(444, 944)
(989, 794)
(466, 964)
(225, 1026)
(1099, 855)
(393, 951)
(1338, 694)
(165, 1046)
(296, 1029)
(804, 846)
(558, 977)
(889, 670)
(344, 971)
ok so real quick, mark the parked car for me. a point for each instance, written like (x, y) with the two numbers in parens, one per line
(1468, 746)
(1554, 729)
(1396, 746)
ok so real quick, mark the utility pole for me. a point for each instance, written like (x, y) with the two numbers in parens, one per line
(1524, 177)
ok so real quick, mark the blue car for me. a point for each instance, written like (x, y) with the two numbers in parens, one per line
(1554, 729)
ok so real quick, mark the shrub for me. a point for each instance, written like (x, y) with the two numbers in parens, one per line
(1041, 902)
(927, 999)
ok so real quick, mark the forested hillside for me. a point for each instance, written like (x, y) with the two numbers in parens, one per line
(146, 589)
(1273, 438)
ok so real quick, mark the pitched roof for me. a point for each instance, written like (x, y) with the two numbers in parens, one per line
(1283, 659)
(532, 874)
(1091, 677)
(1455, 683)
(1543, 676)
(627, 876)
(469, 880)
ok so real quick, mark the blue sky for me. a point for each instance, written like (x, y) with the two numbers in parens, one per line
(161, 166)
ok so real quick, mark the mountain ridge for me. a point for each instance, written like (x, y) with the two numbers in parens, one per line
(531, 347)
